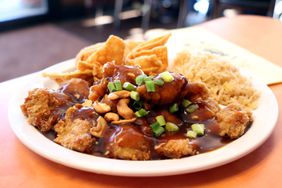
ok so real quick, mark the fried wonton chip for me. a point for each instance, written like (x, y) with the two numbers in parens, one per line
(87, 51)
(111, 50)
(150, 55)
(62, 77)
(93, 58)
(81, 58)
(130, 45)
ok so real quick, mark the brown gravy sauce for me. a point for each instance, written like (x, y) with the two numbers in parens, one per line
(140, 130)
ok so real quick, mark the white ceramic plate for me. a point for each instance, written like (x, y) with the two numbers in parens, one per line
(261, 129)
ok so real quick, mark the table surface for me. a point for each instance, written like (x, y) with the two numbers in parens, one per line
(20, 167)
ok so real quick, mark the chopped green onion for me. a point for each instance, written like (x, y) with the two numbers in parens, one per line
(186, 103)
(111, 86)
(198, 128)
(137, 105)
(129, 86)
(191, 134)
(148, 79)
(135, 95)
(171, 127)
(141, 113)
(139, 80)
(150, 86)
(118, 85)
(166, 76)
(191, 108)
(157, 129)
(161, 120)
(159, 82)
(173, 108)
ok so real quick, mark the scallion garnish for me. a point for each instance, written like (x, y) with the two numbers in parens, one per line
(186, 103)
(150, 86)
(171, 127)
(191, 108)
(198, 128)
(129, 86)
(135, 95)
(161, 120)
(191, 134)
(157, 129)
(111, 86)
(141, 113)
(173, 108)
(148, 78)
(139, 80)
(159, 82)
(166, 76)
(118, 85)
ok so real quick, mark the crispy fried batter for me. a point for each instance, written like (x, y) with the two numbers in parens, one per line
(129, 144)
(150, 55)
(74, 131)
(42, 108)
(197, 90)
(175, 148)
(112, 50)
(233, 120)
(86, 52)
(130, 45)
(63, 77)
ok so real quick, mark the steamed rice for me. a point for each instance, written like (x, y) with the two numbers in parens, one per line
(224, 81)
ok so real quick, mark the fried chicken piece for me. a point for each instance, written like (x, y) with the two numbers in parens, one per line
(166, 94)
(128, 143)
(196, 90)
(44, 107)
(76, 88)
(207, 109)
(170, 117)
(233, 121)
(121, 72)
(112, 72)
(98, 89)
(175, 148)
(74, 131)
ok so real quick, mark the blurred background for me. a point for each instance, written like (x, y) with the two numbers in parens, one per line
(35, 34)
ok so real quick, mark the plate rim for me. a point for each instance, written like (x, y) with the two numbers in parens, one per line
(136, 168)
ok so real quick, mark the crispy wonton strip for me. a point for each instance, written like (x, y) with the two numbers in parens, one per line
(62, 77)
(150, 44)
(87, 51)
(151, 55)
(112, 50)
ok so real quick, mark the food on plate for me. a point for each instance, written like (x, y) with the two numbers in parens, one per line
(118, 106)
(224, 81)
(150, 55)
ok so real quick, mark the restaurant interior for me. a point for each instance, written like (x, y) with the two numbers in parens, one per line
(55, 30)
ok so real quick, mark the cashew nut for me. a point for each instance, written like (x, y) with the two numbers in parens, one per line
(99, 129)
(119, 94)
(124, 121)
(110, 116)
(87, 103)
(101, 108)
(123, 109)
